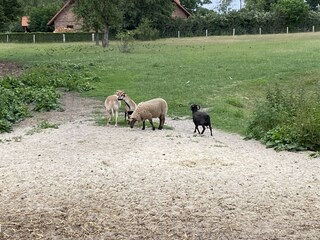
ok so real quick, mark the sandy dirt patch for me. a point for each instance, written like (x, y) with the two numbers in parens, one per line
(9, 69)
(84, 181)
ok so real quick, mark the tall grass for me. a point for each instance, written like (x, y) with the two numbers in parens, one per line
(288, 119)
(226, 75)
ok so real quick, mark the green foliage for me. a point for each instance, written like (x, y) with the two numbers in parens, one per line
(288, 119)
(12, 109)
(145, 31)
(10, 11)
(29, 5)
(243, 21)
(39, 18)
(103, 14)
(291, 12)
(36, 89)
(126, 41)
(246, 21)
(45, 99)
(194, 5)
(314, 4)
(260, 5)
(157, 11)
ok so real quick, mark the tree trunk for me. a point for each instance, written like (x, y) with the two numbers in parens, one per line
(105, 40)
(97, 37)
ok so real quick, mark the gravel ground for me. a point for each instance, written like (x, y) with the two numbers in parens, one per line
(84, 181)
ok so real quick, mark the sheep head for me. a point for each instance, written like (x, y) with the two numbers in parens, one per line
(135, 116)
(131, 122)
(121, 94)
(194, 107)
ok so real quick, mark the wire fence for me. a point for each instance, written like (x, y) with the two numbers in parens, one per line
(171, 33)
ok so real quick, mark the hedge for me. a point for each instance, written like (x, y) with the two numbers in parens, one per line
(45, 37)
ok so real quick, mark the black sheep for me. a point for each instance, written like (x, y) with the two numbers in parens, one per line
(200, 118)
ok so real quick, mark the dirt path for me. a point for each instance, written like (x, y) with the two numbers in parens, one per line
(83, 181)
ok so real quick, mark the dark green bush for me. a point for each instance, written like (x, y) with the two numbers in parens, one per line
(45, 99)
(287, 120)
(11, 109)
(146, 32)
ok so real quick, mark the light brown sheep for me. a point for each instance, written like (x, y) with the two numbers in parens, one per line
(154, 108)
(112, 106)
(130, 104)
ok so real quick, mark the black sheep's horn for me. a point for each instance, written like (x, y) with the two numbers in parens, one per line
(198, 107)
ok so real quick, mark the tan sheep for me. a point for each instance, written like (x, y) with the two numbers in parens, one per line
(154, 108)
(130, 104)
(112, 106)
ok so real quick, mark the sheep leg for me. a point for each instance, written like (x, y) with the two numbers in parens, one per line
(116, 118)
(210, 129)
(125, 115)
(143, 125)
(153, 128)
(108, 117)
(162, 119)
(203, 128)
(196, 128)
(111, 115)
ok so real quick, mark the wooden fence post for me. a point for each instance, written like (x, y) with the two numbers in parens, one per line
(206, 32)
(234, 32)
(34, 38)
(178, 34)
(63, 38)
(287, 30)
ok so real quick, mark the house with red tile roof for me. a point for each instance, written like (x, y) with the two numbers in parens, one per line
(180, 11)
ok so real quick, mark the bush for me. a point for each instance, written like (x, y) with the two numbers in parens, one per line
(126, 41)
(146, 32)
(12, 109)
(287, 120)
(37, 88)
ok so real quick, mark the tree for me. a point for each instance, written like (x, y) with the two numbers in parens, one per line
(118, 14)
(293, 12)
(3, 18)
(106, 13)
(224, 5)
(260, 5)
(193, 5)
(85, 13)
(157, 12)
(314, 4)
(29, 5)
(39, 18)
(10, 11)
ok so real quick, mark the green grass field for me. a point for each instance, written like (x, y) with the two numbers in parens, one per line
(225, 75)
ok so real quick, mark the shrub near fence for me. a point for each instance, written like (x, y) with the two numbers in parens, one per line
(45, 37)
